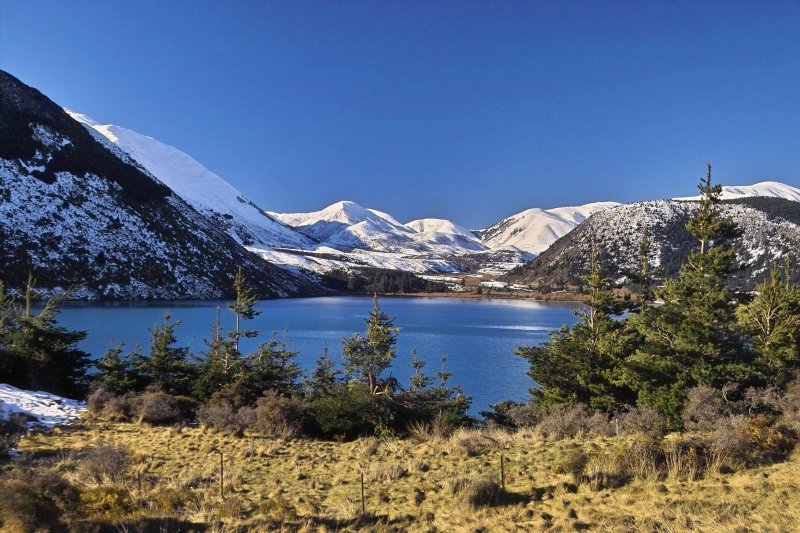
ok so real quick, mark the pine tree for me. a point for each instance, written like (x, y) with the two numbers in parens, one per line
(772, 320)
(115, 372)
(368, 356)
(41, 354)
(692, 339)
(221, 366)
(168, 366)
(272, 366)
(581, 363)
(243, 307)
(324, 378)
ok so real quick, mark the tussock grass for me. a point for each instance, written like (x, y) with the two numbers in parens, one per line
(444, 483)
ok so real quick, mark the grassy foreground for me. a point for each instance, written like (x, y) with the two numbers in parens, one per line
(409, 484)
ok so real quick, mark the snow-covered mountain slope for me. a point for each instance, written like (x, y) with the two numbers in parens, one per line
(73, 212)
(770, 231)
(43, 409)
(201, 188)
(772, 189)
(444, 234)
(534, 230)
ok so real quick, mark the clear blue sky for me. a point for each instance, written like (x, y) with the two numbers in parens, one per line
(464, 110)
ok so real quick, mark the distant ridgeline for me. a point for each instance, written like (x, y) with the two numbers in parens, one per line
(769, 234)
(76, 210)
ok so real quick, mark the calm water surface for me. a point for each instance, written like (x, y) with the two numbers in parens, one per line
(477, 336)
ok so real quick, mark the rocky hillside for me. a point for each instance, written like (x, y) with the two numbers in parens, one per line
(76, 211)
(770, 231)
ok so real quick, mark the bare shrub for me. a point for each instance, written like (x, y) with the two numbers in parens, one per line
(36, 501)
(119, 408)
(277, 416)
(599, 425)
(705, 407)
(436, 429)
(106, 464)
(12, 429)
(607, 470)
(483, 492)
(565, 422)
(643, 419)
(686, 459)
(224, 418)
(789, 405)
(573, 463)
(469, 442)
(367, 447)
(97, 400)
(645, 458)
(162, 409)
(747, 441)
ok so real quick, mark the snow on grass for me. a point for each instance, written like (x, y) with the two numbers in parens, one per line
(45, 409)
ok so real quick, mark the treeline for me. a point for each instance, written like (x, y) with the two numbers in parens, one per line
(380, 281)
(688, 344)
(225, 387)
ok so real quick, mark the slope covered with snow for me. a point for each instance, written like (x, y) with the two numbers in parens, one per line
(534, 230)
(201, 188)
(44, 409)
(772, 189)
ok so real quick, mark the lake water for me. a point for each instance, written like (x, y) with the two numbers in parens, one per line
(478, 336)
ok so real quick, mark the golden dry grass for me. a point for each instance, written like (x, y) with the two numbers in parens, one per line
(315, 486)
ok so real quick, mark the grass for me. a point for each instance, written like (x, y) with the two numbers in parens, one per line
(308, 485)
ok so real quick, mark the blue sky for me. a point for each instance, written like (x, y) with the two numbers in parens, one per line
(464, 110)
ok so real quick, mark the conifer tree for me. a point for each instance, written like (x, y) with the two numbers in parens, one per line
(221, 366)
(40, 354)
(772, 320)
(692, 339)
(273, 366)
(168, 366)
(368, 356)
(243, 307)
(580, 364)
(324, 378)
(115, 372)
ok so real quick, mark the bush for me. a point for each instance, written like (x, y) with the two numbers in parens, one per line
(573, 463)
(348, 412)
(645, 458)
(704, 409)
(162, 409)
(106, 503)
(480, 492)
(11, 430)
(98, 399)
(277, 416)
(34, 501)
(565, 422)
(641, 420)
(106, 464)
(747, 441)
(225, 418)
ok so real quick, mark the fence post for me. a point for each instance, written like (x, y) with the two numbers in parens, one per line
(363, 505)
(221, 476)
(502, 471)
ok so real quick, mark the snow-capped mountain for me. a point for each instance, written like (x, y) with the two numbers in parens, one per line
(201, 188)
(770, 231)
(772, 189)
(444, 233)
(534, 230)
(75, 211)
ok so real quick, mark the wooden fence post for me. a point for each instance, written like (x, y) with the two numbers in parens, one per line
(363, 505)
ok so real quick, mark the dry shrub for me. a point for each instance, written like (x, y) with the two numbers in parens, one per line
(686, 459)
(705, 407)
(162, 409)
(36, 501)
(644, 458)
(789, 405)
(386, 472)
(12, 429)
(573, 462)
(436, 429)
(482, 493)
(117, 408)
(167, 500)
(277, 508)
(565, 423)
(277, 416)
(607, 470)
(106, 503)
(225, 418)
(97, 400)
(747, 441)
(367, 447)
(469, 442)
(105, 464)
(643, 419)
(599, 425)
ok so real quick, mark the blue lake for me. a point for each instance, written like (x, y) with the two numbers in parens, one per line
(477, 336)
